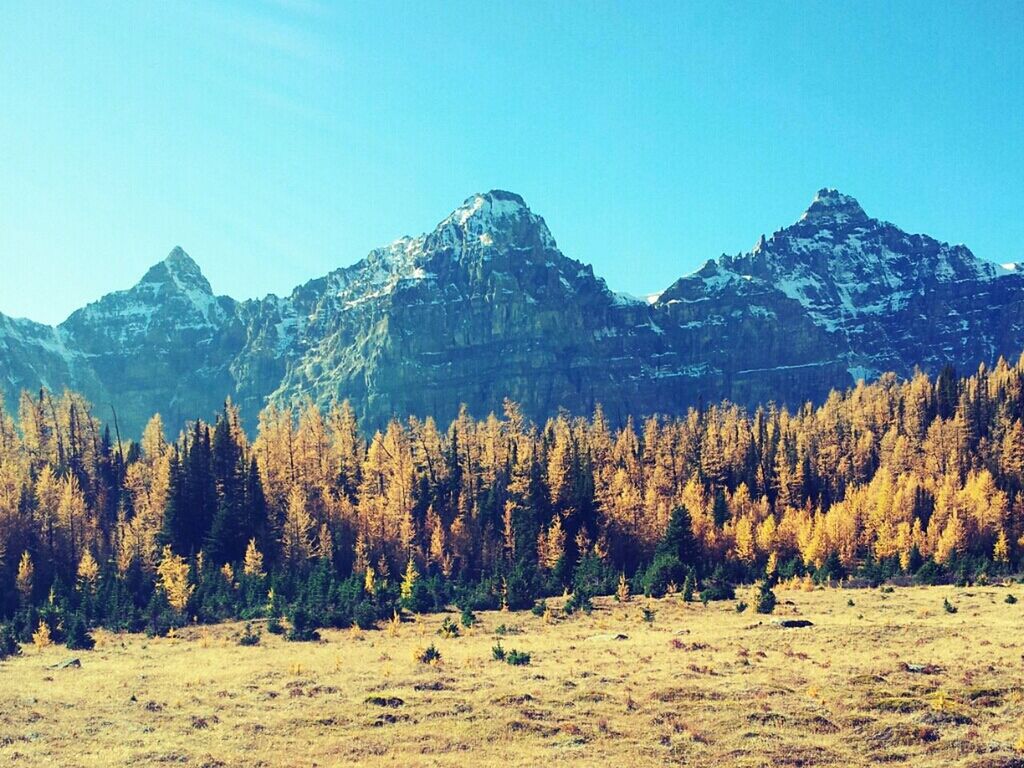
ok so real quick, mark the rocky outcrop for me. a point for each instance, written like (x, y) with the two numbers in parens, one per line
(486, 307)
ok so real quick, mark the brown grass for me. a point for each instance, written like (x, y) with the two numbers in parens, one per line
(700, 686)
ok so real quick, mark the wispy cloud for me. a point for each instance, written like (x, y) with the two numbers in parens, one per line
(285, 28)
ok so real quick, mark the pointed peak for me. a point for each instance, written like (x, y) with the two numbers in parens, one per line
(179, 270)
(179, 257)
(832, 206)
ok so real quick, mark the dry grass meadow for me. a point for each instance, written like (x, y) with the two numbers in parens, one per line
(892, 679)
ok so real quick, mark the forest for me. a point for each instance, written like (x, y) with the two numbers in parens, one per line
(311, 521)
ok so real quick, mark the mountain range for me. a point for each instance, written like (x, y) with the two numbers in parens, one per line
(486, 307)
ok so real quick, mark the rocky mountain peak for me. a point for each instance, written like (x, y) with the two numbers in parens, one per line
(494, 219)
(489, 206)
(832, 206)
(178, 270)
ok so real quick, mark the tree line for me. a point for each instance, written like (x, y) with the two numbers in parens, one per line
(918, 477)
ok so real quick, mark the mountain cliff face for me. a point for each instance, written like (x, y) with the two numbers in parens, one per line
(486, 307)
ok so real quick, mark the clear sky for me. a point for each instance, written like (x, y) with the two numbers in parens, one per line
(277, 141)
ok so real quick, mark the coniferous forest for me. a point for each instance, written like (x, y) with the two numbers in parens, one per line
(313, 521)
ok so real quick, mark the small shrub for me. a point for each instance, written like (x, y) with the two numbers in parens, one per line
(428, 655)
(689, 586)
(578, 602)
(929, 574)
(717, 588)
(741, 607)
(497, 652)
(78, 637)
(765, 599)
(365, 615)
(948, 606)
(9, 645)
(449, 628)
(274, 626)
(887, 590)
(622, 591)
(665, 569)
(649, 615)
(539, 608)
(850, 603)
(468, 618)
(517, 658)
(1010, 600)
(249, 637)
(303, 630)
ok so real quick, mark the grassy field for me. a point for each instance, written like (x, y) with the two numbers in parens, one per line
(890, 677)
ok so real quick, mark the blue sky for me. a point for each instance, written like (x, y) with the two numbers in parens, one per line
(276, 141)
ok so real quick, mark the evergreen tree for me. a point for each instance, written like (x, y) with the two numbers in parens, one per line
(679, 540)
(228, 534)
(765, 598)
(78, 637)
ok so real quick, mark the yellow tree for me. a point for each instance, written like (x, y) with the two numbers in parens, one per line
(172, 577)
(253, 564)
(372, 503)
(88, 571)
(148, 483)
(560, 462)
(275, 454)
(347, 448)
(1001, 549)
(622, 591)
(953, 539)
(296, 541)
(551, 545)
(409, 580)
(26, 572)
(399, 480)
(48, 494)
(744, 538)
(76, 525)
(361, 557)
(437, 554)
(312, 449)
(324, 543)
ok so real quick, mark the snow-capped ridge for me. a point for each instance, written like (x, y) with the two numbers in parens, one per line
(831, 205)
(483, 217)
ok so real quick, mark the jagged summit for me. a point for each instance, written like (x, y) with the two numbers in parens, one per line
(501, 198)
(831, 205)
(178, 256)
(488, 207)
(178, 270)
(497, 218)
